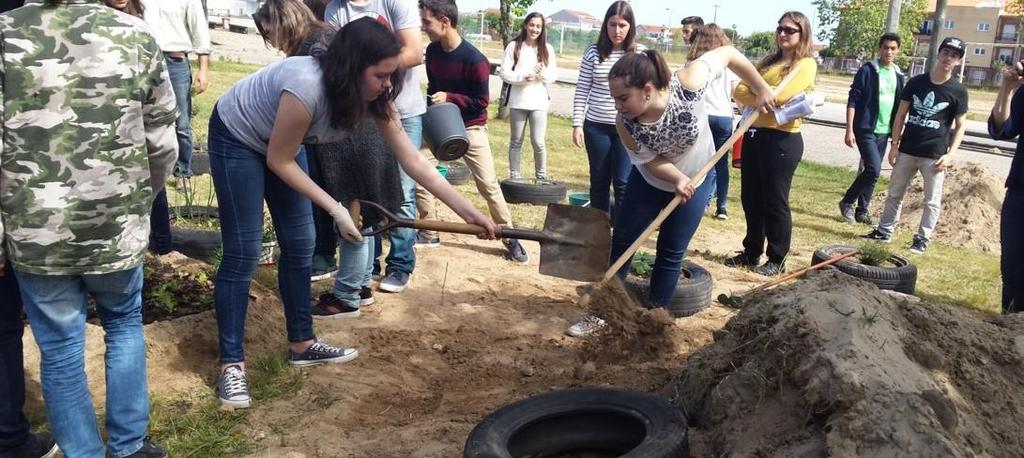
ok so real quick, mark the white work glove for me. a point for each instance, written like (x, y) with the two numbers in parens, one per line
(344, 224)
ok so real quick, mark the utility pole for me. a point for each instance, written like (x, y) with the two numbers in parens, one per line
(715, 17)
(939, 23)
(892, 20)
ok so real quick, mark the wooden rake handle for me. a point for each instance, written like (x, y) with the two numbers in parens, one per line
(801, 272)
(740, 130)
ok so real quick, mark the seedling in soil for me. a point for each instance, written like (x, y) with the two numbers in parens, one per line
(727, 300)
(874, 254)
(868, 319)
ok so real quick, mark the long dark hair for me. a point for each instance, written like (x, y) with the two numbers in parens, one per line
(357, 46)
(604, 44)
(804, 49)
(637, 69)
(542, 40)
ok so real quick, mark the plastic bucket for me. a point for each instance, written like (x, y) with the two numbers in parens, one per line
(444, 132)
(579, 199)
(442, 170)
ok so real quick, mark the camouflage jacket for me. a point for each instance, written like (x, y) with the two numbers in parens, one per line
(88, 135)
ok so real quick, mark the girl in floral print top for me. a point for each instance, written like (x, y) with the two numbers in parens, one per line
(663, 123)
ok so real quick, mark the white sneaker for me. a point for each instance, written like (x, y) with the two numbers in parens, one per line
(586, 326)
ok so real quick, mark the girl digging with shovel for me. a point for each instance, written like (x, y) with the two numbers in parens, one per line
(663, 123)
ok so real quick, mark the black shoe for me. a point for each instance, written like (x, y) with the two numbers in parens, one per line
(864, 218)
(330, 307)
(425, 241)
(366, 297)
(38, 445)
(321, 353)
(742, 260)
(722, 214)
(846, 211)
(516, 252)
(148, 450)
(919, 245)
(877, 236)
(770, 269)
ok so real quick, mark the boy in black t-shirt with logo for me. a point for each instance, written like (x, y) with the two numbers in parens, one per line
(930, 106)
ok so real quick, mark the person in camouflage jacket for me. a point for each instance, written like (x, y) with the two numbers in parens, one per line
(88, 135)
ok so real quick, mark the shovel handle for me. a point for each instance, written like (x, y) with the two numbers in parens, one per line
(740, 130)
(799, 273)
(503, 232)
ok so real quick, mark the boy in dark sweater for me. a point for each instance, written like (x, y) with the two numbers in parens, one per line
(931, 105)
(458, 73)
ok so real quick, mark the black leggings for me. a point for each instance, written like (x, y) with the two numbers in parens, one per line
(770, 158)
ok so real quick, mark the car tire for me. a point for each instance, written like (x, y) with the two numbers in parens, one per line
(458, 173)
(900, 277)
(692, 293)
(537, 192)
(582, 422)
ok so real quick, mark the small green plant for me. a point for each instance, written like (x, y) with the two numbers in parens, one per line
(868, 319)
(218, 256)
(163, 295)
(643, 263)
(269, 234)
(874, 254)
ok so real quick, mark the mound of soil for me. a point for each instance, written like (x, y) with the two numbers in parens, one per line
(831, 366)
(972, 198)
(169, 292)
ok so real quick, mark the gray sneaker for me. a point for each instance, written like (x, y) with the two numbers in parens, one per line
(516, 252)
(847, 212)
(586, 326)
(232, 388)
(919, 245)
(322, 353)
(394, 282)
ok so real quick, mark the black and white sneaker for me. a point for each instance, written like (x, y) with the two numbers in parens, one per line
(366, 297)
(232, 388)
(742, 259)
(321, 353)
(149, 450)
(330, 307)
(770, 269)
(425, 241)
(37, 445)
(877, 236)
(864, 218)
(919, 245)
(846, 212)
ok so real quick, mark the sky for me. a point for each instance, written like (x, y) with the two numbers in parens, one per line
(748, 15)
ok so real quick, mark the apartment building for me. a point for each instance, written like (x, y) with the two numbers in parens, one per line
(990, 33)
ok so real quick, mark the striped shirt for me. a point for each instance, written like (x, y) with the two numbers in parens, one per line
(593, 101)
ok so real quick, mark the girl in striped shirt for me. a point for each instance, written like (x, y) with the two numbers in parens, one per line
(593, 119)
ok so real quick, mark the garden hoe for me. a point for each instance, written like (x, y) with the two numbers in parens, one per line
(575, 243)
(737, 300)
(741, 129)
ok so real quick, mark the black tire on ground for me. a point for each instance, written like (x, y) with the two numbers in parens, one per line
(199, 244)
(532, 192)
(900, 277)
(594, 422)
(458, 173)
(692, 294)
(200, 164)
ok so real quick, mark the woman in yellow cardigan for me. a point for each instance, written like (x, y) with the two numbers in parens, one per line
(771, 152)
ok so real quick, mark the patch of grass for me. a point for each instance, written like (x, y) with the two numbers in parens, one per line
(874, 254)
(193, 425)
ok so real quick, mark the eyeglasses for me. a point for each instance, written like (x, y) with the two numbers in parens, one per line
(783, 30)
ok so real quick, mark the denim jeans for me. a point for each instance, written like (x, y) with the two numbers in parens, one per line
(721, 129)
(640, 205)
(180, 73)
(902, 173)
(872, 150)
(13, 424)
(242, 182)
(1011, 262)
(160, 241)
(354, 269)
(402, 257)
(609, 164)
(56, 307)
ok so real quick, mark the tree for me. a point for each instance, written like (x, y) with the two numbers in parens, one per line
(852, 27)
(759, 44)
(734, 36)
(510, 8)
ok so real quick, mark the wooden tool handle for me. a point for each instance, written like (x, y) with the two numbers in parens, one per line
(473, 229)
(832, 260)
(740, 130)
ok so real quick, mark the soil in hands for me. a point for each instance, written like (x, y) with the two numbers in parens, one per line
(831, 366)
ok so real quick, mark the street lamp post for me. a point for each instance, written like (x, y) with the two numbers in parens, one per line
(667, 35)
(480, 39)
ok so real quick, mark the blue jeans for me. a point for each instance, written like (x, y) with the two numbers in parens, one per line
(640, 205)
(402, 257)
(242, 181)
(872, 149)
(609, 164)
(1011, 262)
(13, 424)
(326, 238)
(56, 307)
(160, 241)
(354, 269)
(721, 129)
(180, 73)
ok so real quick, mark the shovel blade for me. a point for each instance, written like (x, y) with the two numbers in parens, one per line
(580, 244)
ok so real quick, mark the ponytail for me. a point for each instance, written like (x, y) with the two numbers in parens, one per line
(638, 69)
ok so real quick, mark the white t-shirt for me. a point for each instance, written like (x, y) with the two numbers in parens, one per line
(532, 95)
(249, 108)
(396, 15)
(718, 94)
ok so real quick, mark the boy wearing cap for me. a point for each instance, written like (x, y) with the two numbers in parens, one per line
(930, 105)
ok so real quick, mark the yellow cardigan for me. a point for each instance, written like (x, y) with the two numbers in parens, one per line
(807, 68)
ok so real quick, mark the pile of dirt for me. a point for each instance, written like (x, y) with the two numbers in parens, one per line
(972, 199)
(831, 366)
(632, 333)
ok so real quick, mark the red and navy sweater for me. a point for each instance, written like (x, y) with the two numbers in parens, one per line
(462, 73)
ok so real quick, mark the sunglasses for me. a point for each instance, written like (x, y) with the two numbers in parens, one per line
(783, 30)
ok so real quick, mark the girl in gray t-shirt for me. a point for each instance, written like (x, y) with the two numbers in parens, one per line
(255, 135)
